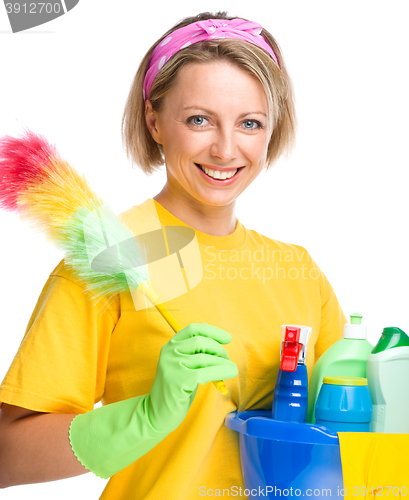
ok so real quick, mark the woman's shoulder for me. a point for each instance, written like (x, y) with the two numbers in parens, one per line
(63, 284)
(63, 271)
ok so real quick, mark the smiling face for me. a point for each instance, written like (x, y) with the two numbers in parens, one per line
(215, 119)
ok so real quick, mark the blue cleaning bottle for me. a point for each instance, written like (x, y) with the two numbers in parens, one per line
(291, 389)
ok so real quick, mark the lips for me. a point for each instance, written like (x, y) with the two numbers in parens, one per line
(221, 170)
(220, 182)
(210, 167)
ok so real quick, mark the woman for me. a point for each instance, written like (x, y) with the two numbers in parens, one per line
(219, 107)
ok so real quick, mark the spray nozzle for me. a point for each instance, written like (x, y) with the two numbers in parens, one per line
(294, 346)
(290, 349)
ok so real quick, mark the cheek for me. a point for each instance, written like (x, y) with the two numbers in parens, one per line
(257, 148)
(184, 143)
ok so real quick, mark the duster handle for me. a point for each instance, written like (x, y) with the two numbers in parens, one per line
(146, 288)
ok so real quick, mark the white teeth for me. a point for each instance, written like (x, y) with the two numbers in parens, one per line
(216, 174)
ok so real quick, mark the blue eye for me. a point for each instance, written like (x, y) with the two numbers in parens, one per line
(252, 122)
(197, 120)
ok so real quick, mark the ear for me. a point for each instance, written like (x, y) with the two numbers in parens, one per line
(151, 118)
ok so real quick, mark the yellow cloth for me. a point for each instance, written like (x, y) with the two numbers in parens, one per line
(374, 464)
(75, 354)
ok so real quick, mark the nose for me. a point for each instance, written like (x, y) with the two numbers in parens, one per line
(224, 146)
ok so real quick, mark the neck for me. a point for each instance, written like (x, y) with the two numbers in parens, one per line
(210, 219)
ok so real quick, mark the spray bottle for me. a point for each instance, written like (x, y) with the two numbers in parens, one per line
(291, 389)
(387, 371)
(347, 357)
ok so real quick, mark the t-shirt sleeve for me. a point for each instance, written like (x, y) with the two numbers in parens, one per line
(333, 318)
(60, 366)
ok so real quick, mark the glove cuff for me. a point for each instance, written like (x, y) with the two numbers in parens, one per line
(109, 438)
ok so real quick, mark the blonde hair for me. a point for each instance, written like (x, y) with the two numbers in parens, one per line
(140, 146)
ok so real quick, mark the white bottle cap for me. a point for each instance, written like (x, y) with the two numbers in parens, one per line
(355, 330)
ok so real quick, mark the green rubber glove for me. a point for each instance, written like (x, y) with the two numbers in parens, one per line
(109, 438)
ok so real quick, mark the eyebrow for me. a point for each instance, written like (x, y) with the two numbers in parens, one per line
(209, 112)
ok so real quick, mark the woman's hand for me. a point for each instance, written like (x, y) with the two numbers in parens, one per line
(108, 439)
(193, 356)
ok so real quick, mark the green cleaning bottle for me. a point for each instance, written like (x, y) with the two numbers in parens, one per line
(347, 357)
(387, 371)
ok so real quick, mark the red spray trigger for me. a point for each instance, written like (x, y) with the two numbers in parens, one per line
(290, 349)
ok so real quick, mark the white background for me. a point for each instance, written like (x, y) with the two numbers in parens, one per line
(342, 194)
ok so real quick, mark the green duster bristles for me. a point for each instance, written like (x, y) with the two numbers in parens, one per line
(103, 252)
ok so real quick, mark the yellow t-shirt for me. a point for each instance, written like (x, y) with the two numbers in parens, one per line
(75, 353)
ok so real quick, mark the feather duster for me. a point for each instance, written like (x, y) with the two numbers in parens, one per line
(43, 189)
(46, 191)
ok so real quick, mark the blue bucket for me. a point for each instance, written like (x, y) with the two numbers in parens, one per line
(286, 459)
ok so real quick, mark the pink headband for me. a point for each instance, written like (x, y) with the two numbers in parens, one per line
(196, 32)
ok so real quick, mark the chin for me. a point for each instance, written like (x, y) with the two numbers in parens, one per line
(217, 201)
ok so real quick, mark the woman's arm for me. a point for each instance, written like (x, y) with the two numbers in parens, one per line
(40, 447)
(34, 447)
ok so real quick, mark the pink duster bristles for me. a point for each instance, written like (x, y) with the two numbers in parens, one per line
(15, 177)
(40, 186)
